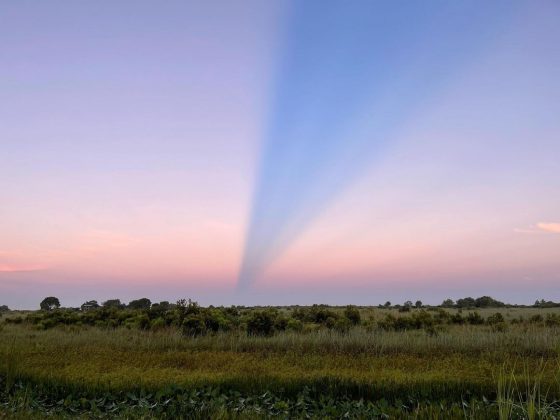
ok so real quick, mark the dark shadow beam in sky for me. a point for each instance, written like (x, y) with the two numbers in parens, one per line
(351, 74)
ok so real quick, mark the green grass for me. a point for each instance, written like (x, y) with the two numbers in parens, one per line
(461, 371)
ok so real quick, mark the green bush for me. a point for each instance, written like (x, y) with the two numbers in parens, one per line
(495, 319)
(261, 323)
(352, 314)
(157, 324)
(294, 325)
(330, 322)
(474, 318)
(552, 320)
(194, 325)
(342, 325)
(536, 319)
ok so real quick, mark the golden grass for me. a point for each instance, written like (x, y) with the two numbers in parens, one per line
(367, 364)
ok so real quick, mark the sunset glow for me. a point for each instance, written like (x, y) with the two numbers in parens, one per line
(226, 150)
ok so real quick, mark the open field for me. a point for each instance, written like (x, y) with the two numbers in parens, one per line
(437, 370)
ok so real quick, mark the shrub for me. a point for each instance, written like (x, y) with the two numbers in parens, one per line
(330, 322)
(294, 325)
(157, 324)
(342, 325)
(193, 326)
(422, 319)
(456, 319)
(320, 314)
(143, 322)
(387, 323)
(281, 323)
(552, 320)
(261, 323)
(352, 314)
(216, 320)
(495, 319)
(474, 318)
(536, 319)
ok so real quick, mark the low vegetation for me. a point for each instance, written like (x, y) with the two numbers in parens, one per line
(181, 360)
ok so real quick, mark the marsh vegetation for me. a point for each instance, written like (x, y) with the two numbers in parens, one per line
(185, 361)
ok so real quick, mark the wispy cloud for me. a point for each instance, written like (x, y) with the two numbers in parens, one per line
(7, 268)
(551, 227)
(540, 228)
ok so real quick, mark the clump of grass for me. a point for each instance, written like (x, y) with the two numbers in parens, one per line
(505, 393)
(524, 395)
(10, 364)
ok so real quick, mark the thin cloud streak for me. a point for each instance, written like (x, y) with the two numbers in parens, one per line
(549, 227)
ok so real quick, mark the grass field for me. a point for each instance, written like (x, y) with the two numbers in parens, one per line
(455, 371)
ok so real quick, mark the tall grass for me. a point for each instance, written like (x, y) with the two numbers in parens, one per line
(517, 369)
(521, 341)
(527, 395)
(10, 364)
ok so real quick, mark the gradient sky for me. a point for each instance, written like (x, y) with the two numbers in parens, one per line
(279, 152)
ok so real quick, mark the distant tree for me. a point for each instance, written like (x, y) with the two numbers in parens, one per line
(487, 302)
(387, 304)
(4, 308)
(143, 303)
(448, 303)
(408, 304)
(418, 304)
(50, 303)
(188, 307)
(164, 305)
(352, 314)
(113, 303)
(537, 303)
(467, 302)
(90, 304)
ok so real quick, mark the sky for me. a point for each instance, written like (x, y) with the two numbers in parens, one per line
(279, 152)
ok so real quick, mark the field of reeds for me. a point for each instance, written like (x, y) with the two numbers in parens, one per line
(380, 364)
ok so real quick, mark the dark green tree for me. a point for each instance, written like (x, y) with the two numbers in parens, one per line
(448, 303)
(90, 304)
(113, 303)
(487, 302)
(50, 303)
(143, 303)
(467, 302)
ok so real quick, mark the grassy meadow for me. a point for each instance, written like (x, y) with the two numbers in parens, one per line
(184, 361)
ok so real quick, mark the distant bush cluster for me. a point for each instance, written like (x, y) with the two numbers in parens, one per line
(194, 320)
